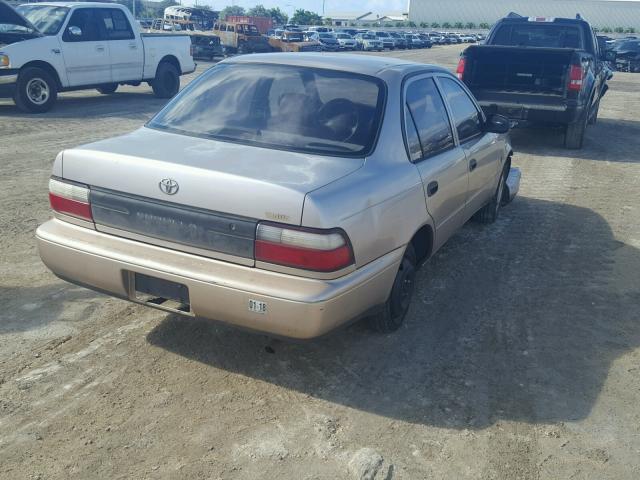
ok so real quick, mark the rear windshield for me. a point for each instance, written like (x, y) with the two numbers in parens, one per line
(539, 35)
(277, 106)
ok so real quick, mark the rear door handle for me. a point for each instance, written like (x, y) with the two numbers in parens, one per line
(133, 46)
(472, 165)
(100, 48)
(432, 189)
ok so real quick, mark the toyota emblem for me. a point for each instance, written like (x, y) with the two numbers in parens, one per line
(169, 186)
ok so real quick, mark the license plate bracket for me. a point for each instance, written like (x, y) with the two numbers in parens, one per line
(161, 293)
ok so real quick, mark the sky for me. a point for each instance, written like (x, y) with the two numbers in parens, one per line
(288, 6)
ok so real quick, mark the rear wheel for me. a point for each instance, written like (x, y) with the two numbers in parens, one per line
(167, 81)
(36, 91)
(108, 89)
(574, 136)
(397, 305)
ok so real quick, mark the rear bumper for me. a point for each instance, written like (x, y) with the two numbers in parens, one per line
(529, 107)
(8, 80)
(296, 307)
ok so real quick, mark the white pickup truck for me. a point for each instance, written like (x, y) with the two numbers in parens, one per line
(46, 48)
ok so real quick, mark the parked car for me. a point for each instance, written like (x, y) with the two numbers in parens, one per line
(50, 48)
(465, 38)
(200, 212)
(346, 41)
(241, 38)
(368, 42)
(398, 40)
(386, 39)
(628, 56)
(413, 41)
(539, 70)
(291, 41)
(206, 46)
(426, 40)
(329, 42)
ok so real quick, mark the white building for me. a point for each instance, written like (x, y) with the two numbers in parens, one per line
(600, 13)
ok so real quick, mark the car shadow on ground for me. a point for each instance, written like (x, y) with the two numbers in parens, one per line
(608, 140)
(73, 105)
(520, 320)
(25, 309)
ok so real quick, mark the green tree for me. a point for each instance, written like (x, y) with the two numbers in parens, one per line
(424, 25)
(231, 11)
(278, 16)
(619, 30)
(411, 24)
(305, 17)
(470, 25)
(606, 29)
(327, 21)
(458, 25)
(484, 26)
(258, 11)
(446, 25)
(435, 25)
(630, 30)
(399, 24)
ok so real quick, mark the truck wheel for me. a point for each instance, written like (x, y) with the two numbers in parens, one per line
(108, 89)
(489, 213)
(397, 305)
(36, 91)
(594, 116)
(574, 136)
(167, 81)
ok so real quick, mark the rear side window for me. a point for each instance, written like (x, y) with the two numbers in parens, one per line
(539, 35)
(87, 20)
(427, 125)
(116, 24)
(278, 106)
(465, 114)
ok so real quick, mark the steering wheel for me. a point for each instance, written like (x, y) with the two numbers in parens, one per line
(341, 117)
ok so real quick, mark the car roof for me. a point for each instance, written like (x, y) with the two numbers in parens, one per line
(354, 63)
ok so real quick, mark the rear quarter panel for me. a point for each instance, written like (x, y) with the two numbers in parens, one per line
(159, 46)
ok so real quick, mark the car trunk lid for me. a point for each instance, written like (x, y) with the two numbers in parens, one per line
(204, 195)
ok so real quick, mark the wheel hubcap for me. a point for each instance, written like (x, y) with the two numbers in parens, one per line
(38, 91)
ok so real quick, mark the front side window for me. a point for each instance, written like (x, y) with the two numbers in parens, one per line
(427, 125)
(278, 106)
(116, 24)
(47, 19)
(466, 116)
(87, 20)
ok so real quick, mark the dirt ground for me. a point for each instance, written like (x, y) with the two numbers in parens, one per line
(520, 357)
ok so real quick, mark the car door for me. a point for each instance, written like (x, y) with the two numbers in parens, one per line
(125, 49)
(483, 151)
(431, 146)
(84, 49)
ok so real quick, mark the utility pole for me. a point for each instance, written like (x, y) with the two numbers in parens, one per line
(134, 9)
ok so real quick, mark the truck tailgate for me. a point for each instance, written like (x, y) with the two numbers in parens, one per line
(527, 70)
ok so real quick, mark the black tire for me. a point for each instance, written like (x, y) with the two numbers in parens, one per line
(167, 81)
(395, 309)
(574, 135)
(490, 212)
(36, 90)
(108, 89)
(594, 115)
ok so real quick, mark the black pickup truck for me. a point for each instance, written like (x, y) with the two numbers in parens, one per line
(539, 70)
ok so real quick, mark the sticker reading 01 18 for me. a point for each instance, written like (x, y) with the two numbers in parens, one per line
(256, 306)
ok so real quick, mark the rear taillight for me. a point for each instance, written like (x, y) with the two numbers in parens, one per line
(576, 75)
(461, 65)
(70, 199)
(308, 249)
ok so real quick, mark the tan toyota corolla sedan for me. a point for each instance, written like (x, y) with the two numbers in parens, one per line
(283, 193)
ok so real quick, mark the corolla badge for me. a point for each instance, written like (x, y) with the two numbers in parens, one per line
(169, 186)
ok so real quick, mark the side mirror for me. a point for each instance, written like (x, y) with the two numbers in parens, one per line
(74, 31)
(610, 55)
(497, 124)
